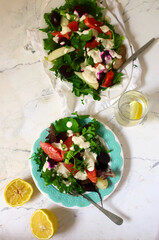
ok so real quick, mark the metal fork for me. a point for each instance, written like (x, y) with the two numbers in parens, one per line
(116, 219)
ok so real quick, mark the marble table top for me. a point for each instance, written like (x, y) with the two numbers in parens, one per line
(28, 104)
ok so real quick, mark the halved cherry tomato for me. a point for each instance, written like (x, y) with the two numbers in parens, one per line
(109, 33)
(70, 167)
(108, 79)
(73, 26)
(93, 23)
(51, 151)
(92, 44)
(66, 35)
(92, 175)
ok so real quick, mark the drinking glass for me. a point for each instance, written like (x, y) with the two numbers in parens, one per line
(131, 108)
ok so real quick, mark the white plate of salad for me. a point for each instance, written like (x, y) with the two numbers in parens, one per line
(78, 154)
(83, 50)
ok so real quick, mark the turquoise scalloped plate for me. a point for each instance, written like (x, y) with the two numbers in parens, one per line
(117, 164)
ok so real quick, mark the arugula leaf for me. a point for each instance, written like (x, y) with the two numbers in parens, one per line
(117, 77)
(51, 177)
(40, 158)
(80, 116)
(102, 35)
(49, 44)
(90, 61)
(71, 154)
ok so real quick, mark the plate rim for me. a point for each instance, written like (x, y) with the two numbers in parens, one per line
(128, 71)
(76, 206)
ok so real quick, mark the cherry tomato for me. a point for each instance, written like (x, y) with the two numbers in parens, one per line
(92, 44)
(93, 23)
(108, 79)
(66, 35)
(73, 26)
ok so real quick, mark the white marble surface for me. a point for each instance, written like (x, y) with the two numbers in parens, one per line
(28, 105)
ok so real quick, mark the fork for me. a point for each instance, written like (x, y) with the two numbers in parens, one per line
(113, 217)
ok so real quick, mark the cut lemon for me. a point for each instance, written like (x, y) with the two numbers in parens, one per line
(43, 224)
(135, 110)
(18, 192)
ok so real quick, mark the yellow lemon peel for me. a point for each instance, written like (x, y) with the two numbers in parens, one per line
(43, 224)
(18, 192)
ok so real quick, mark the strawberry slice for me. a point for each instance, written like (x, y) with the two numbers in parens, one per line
(92, 44)
(73, 26)
(92, 175)
(108, 79)
(51, 151)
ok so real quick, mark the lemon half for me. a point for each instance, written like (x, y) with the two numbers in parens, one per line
(18, 192)
(43, 224)
(135, 110)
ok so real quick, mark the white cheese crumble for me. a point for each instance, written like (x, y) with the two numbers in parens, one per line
(81, 175)
(107, 43)
(56, 39)
(46, 166)
(95, 55)
(69, 124)
(105, 28)
(69, 133)
(65, 29)
(62, 171)
(80, 141)
(57, 145)
(114, 54)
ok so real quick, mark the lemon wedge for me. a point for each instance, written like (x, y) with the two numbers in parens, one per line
(135, 110)
(43, 224)
(18, 192)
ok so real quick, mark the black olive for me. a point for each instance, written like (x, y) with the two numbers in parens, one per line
(66, 71)
(55, 18)
(80, 10)
(63, 41)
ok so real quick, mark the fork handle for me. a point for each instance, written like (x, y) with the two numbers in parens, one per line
(116, 219)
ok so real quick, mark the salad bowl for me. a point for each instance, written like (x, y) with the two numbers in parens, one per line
(66, 200)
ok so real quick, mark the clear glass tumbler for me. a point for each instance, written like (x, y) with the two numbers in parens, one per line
(131, 108)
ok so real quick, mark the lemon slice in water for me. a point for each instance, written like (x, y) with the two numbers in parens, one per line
(17, 192)
(43, 224)
(135, 110)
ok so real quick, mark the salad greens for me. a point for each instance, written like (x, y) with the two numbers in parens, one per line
(79, 24)
(65, 163)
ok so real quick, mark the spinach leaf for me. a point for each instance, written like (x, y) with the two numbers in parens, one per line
(61, 125)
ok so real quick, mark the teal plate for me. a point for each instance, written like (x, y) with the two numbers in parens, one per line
(117, 164)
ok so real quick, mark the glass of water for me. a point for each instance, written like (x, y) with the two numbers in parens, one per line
(131, 109)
